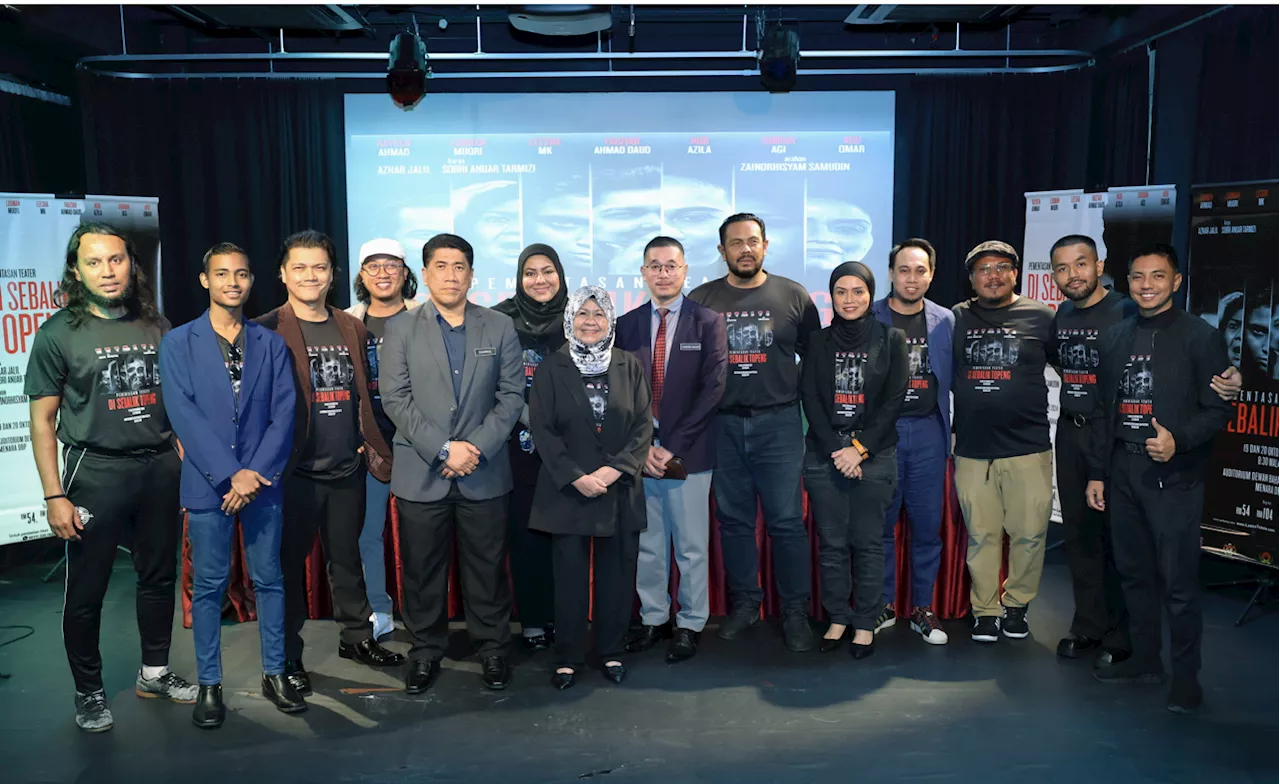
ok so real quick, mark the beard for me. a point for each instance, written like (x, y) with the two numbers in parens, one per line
(747, 274)
(1088, 292)
(124, 297)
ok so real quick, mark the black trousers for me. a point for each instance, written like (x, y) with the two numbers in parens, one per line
(335, 509)
(1086, 539)
(606, 594)
(129, 501)
(850, 517)
(427, 535)
(1155, 529)
(531, 573)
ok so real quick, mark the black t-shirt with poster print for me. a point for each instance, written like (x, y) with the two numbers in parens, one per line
(331, 451)
(107, 372)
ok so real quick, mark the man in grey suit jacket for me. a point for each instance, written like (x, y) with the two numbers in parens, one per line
(452, 381)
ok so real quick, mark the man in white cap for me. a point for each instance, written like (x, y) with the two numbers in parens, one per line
(384, 288)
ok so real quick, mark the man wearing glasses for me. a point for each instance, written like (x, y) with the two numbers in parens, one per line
(683, 350)
(1004, 466)
(231, 402)
(385, 288)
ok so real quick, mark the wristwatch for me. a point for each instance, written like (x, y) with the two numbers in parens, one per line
(443, 454)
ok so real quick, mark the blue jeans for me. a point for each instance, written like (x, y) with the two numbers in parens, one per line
(758, 463)
(922, 465)
(211, 533)
(373, 554)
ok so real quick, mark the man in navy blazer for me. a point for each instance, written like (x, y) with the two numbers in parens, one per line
(685, 354)
(924, 431)
(230, 397)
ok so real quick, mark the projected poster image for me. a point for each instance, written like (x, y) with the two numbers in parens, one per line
(506, 171)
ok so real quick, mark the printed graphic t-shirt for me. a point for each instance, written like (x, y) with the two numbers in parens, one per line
(377, 326)
(597, 388)
(1078, 334)
(233, 359)
(850, 400)
(1001, 398)
(922, 384)
(330, 452)
(107, 372)
(1136, 398)
(767, 327)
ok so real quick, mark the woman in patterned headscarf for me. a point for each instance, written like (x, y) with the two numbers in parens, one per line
(589, 409)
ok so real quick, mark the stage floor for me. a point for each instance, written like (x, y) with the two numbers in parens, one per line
(740, 712)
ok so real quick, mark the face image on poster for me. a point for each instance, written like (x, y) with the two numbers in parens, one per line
(918, 368)
(1137, 385)
(331, 375)
(598, 397)
(990, 355)
(531, 358)
(1231, 276)
(750, 334)
(626, 213)
(130, 378)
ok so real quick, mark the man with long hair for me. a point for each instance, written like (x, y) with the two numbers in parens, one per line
(94, 385)
(335, 440)
(385, 288)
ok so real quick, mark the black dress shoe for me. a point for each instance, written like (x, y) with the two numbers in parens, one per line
(561, 680)
(422, 674)
(370, 653)
(281, 692)
(827, 644)
(495, 673)
(209, 712)
(1109, 656)
(298, 676)
(1076, 647)
(684, 646)
(616, 673)
(538, 642)
(648, 637)
(862, 651)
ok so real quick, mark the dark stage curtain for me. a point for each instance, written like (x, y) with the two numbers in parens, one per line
(968, 148)
(950, 599)
(40, 146)
(243, 161)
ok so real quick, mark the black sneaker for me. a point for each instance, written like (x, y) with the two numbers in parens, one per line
(1131, 671)
(1015, 623)
(797, 633)
(886, 619)
(743, 616)
(168, 686)
(1185, 696)
(986, 628)
(92, 713)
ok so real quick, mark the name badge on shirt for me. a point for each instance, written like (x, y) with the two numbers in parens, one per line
(486, 352)
(690, 346)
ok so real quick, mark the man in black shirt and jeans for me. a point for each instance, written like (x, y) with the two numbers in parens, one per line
(1004, 468)
(1153, 430)
(93, 380)
(334, 435)
(759, 437)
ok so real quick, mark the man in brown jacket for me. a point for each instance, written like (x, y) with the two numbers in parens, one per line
(336, 439)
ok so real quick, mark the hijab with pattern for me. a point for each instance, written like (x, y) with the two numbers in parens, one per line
(591, 360)
(537, 323)
(850, 334)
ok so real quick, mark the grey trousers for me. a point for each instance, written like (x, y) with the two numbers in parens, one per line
(679, 518)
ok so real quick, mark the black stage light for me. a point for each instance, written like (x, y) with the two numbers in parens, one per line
(779, 59)
(407, 74)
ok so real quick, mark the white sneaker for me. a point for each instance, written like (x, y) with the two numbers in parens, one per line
(382, 625)
(925, 623)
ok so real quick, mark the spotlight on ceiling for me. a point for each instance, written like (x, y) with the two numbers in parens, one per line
(408, 71)
(779, 59)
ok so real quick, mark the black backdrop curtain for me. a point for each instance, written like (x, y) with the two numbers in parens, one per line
(242, 161)
(40, 146)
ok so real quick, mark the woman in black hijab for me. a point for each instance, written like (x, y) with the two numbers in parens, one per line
(852, 386)
(538, 312)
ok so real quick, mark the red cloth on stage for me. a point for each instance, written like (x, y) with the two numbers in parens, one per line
(950, 598)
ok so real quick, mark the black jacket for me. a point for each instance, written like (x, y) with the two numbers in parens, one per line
(1188, 353)
(885, 387)
(564, 433)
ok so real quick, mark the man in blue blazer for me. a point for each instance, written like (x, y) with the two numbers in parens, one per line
(684, 352)
(924, 431)
(230, 398)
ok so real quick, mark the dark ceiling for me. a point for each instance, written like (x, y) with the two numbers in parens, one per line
(42, 44)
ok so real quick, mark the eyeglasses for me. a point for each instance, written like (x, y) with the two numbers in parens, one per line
(379, 267)
(663, 269)
(235, 358)
(1003, 268)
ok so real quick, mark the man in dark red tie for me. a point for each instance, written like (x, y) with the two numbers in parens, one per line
(682, 346)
